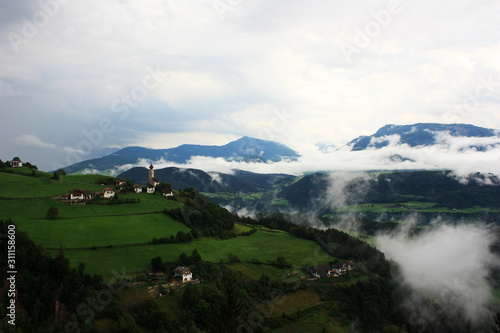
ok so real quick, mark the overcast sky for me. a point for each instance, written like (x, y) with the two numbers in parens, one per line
(87, 75)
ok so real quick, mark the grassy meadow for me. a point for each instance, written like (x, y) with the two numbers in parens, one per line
(101, 231)
(264, 246)
(121, 232)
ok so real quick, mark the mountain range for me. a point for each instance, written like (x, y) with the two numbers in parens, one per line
(423, 134)
(247, 149)
(209, 182)
(429, 186)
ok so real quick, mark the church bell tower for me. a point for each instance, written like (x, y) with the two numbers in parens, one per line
(151, 174)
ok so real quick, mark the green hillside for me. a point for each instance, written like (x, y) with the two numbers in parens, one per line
(264, 246)
(122, 232)
(247, 268)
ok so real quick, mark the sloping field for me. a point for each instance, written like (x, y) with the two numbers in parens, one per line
(101, 231)
(264, 246)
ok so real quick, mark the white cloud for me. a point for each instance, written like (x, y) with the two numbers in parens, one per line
(261, 55)
(32, 141)
(344, 161)
(7, 89)
(448, 263)
(181, 87)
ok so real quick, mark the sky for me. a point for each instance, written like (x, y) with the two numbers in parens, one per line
(87, 76)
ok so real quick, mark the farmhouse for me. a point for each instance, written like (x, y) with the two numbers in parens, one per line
(150, 188)
(325, 271)
(168, 193)
(184, 272)
(108, 193)
(137, 188)
(340, 269)
(119, 183)
(16, 163)
(320, 271)
(76, 196)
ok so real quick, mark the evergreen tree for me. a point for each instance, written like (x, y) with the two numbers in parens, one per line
(53, 213)
(496, 328)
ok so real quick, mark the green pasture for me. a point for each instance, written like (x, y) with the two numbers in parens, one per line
(16, 185)
(264, 246)
(417, 206)
(26, 209)
(240, 228)
(317, 321)
(389, 207)
(101, 231)
(293, 302)
(232, 196)
(255, 271)
(25, 171)
(279, 202)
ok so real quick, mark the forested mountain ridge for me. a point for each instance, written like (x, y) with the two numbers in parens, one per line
(245, 149)
(422, 134)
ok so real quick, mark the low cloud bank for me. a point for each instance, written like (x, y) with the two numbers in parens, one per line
(449, 265)
(432, 157)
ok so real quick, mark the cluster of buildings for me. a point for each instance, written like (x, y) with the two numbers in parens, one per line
(82, 196)
(184, 273)
(152, 183)
(165, 287)
(327, 271)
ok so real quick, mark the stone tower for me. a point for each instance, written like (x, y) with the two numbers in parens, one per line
(151, 174)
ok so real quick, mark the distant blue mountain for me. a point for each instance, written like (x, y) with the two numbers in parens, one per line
(239, 181)
(244, 149)
(423, 134)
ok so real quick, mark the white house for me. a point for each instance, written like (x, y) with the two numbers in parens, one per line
(119, 183)
(320, 271)
(183, 272)
(340, 269)
(108, 193)
(150, 189)
(76, 194)
(137, 188)
(168, 193)
(16, 164)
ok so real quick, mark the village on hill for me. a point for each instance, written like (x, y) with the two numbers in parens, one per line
(79, 196)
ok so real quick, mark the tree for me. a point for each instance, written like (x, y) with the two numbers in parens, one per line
(232, 306)
(281, 262)
(195, 233)
(183, 259)
(195, 257)
(58, 173)
(53, 213)
(32, 167)
(496, 328)
(157, 264)
(191, 296)
(264, 280)
(3, 164)
(233, 258)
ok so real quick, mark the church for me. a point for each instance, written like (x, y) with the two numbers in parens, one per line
(152, 180)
